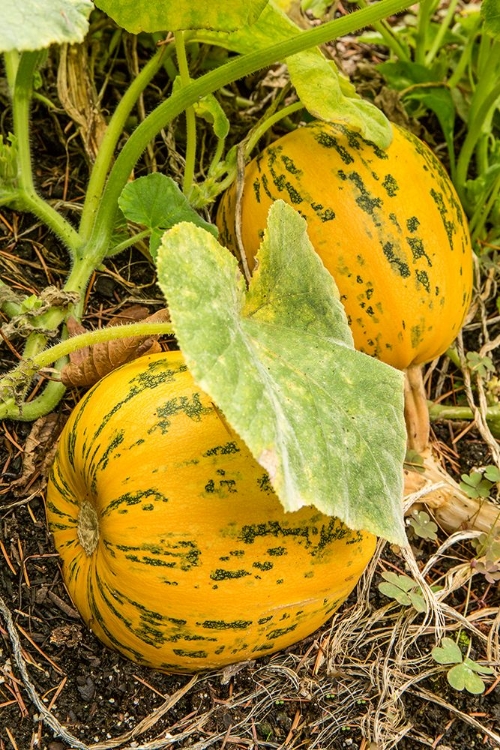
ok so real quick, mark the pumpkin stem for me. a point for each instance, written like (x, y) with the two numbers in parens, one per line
(88, 527)
(416, 410)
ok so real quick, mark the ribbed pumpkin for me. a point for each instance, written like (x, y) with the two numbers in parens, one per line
(387, 224)
(174, 547)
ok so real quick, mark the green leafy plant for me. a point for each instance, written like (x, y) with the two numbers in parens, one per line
(466, 673)
(194, 272)
(481, 365)
(487, 549)
(480, 483)
(422, 525)
(404, 590)
(264, 35)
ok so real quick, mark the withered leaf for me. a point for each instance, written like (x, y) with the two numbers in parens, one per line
(38, 454)
(91, 363)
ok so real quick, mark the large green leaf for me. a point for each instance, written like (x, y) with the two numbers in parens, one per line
(323, 92)
(324, 420)
(490, 12)
(36, 24)
(148, 15)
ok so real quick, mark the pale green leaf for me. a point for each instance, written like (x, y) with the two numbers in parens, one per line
(461, 677)
(145, 15)
(209, 109)
(490, 12)
(418, 601)
(36, 24)
(317, 82)
(447, 653)
(394, 592)
(401, 581)
(492, 473)
(325, 421)
(272, 26)
(156, 202)
(475, 667)
(317, 8)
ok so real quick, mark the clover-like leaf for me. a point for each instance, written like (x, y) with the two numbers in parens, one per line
(394, 592)
(463, 677)
(157, 202)
(325, 421)
(480, 668)
(401, 581)
(32, 25)
(404, 590)
(474, 484)
(492, 474)
(447, 653)
(422, 525)
(417, 601)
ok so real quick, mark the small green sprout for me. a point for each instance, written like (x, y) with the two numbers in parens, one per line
(466, 673)
(479, 483)
(421, 525)
(404, 590)
(481, 365)
(488, 545)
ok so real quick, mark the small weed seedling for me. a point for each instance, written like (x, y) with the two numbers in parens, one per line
(404, 590)
(479, 483)
(421, 525)
(487, 547)
(465, 674)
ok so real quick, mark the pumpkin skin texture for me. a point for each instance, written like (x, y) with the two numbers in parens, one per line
(388, 226)
(174, 547)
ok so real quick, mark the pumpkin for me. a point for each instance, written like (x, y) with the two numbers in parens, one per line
(387, 224)
(174, 547)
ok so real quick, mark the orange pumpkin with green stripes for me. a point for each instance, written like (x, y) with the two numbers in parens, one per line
(387, 224)
(174, 547)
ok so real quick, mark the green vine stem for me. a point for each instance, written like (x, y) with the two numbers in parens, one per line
(209, 83)
(465, 57)
(18, 380)
(89, 338)
(388, 36)
(426, 10)
(29, 411)
(442, 30)
(189, 165)
(438, 412)
(76, 282)
(213, 187)
(111, 137)
(129, 242)
(28, 197)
